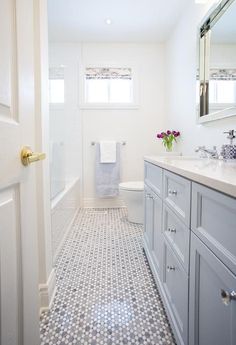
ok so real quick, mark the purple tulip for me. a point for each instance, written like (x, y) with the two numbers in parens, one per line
(167, 134)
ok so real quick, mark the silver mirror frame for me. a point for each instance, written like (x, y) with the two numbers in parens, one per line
(203, 49)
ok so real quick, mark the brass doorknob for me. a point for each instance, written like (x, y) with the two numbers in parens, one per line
(28, 156)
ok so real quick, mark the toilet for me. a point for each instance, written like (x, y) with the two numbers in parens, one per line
(132, 194)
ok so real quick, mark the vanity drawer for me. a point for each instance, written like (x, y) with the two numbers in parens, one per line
(175, 284)
(177, 234)
(153, 177)
(214, 222)
(177, 192)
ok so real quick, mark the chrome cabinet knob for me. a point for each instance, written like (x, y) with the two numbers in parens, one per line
(173, 230)
(170, 268)
(227, 297)
(172, 192)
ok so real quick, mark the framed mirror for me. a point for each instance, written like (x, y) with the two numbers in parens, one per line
(216, 73)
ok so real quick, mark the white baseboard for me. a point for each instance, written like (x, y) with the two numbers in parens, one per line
(47, 292)
(103, 203)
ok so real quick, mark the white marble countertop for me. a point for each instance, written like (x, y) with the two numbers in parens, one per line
(213, 173)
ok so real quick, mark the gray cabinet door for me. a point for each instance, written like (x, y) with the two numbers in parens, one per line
(212, 322)
(175, 284)
(148, 219)
(157, 233)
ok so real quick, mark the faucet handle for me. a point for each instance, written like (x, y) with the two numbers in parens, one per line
(231, 135)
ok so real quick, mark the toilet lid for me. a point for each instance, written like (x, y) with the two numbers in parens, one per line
(132, 185)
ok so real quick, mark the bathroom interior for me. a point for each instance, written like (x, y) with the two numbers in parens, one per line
(142, 119)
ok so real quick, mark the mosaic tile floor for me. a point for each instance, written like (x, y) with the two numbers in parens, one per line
(106, 293)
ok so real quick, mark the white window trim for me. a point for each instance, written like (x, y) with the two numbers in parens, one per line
(118, 106)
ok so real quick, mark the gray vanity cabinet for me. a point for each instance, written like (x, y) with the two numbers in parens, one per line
(212, 301)
(190, 242)
(166, 242)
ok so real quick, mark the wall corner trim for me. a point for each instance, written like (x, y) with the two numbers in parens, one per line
(47, 292)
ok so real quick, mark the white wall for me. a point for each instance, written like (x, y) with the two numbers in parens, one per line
(181, 57)
(223, 56)
(137, 127)
(65, 121)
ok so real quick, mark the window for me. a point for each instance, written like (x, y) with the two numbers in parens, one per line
(56, 85)
(108, 85)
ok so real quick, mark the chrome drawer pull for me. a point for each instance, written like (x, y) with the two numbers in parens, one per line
(227, 297)
(172, 230)
(172, 192)
(170, 268)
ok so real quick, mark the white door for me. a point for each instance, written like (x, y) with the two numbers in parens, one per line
(19, 311)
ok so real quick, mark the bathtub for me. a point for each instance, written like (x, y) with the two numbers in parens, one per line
(64, 207)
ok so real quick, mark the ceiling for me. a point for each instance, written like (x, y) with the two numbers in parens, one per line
(132, 20)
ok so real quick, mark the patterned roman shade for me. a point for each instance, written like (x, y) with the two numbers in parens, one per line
(108, 73)
(223, 74)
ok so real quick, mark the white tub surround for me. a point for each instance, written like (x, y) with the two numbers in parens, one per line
(216, 174)
(63, 211)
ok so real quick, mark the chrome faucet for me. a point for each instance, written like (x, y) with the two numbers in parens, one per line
(208, 152)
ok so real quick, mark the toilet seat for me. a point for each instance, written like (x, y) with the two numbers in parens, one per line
(137, 186)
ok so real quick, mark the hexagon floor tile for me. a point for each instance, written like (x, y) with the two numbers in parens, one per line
(106, 294)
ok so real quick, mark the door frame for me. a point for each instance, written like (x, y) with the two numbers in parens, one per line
(47, 277)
